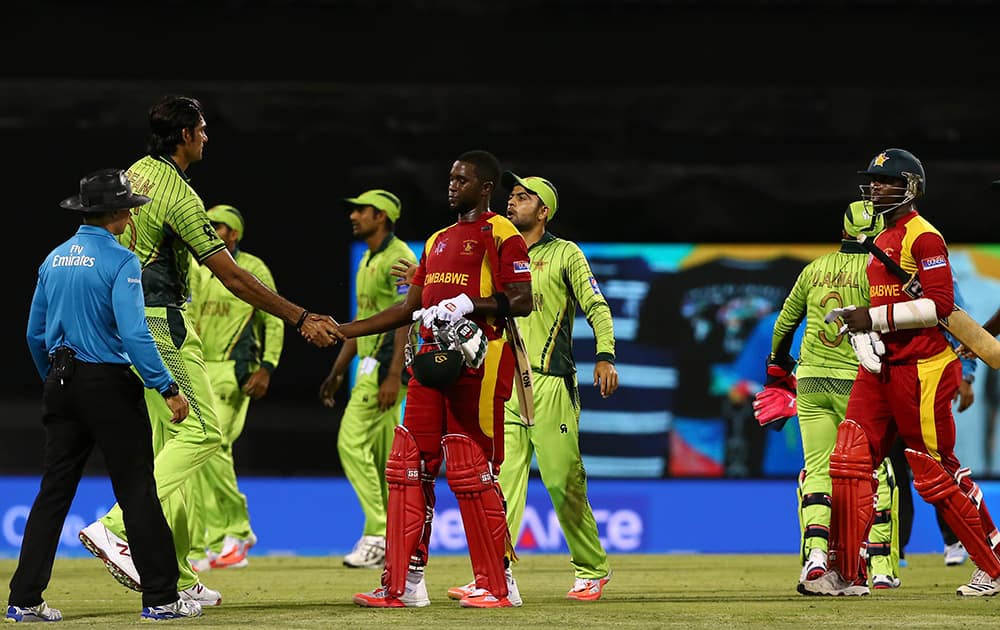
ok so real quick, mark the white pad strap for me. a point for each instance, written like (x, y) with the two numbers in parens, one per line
(920, 313)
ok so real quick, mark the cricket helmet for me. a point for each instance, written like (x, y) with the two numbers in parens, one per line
(901, 165)
(860, 218)
(434, 363)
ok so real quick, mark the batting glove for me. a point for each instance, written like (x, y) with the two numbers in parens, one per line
(454, 309)
(426, 315)
(869, 349)
(471, 342)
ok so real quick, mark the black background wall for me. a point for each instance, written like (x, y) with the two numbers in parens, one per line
(659, 121)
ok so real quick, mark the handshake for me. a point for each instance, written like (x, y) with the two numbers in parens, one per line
(868, 345)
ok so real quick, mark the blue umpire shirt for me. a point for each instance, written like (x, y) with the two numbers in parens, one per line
(89, 298)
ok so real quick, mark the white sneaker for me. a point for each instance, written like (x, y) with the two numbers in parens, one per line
(885, 581)
(25, 614)
(114, 551)
(181, 609)
(416, 590)
(955, 555)
(512, 593)
(202, 594)
(815, 565)
(368, 552)
(981, 585)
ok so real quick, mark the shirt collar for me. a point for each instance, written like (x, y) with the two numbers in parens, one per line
(852, 247)
(382, 247)
(95, 230)
(169, 160)
(546, 237)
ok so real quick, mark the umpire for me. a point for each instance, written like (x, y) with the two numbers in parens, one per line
(86, 326)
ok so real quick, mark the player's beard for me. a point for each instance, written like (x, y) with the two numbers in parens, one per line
(461, 207)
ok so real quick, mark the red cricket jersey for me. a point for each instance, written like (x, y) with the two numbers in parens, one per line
(455, 260)
(918, 247)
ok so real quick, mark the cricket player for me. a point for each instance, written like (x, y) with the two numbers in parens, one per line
(825, 375)
(561, 280)
(905, 385)
(372, 412)
(242, 346)
(472, 276)
(166, 235)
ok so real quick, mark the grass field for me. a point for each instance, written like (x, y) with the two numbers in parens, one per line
(664, 591)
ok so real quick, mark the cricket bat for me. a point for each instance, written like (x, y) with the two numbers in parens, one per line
(523, 379)
(960, 324)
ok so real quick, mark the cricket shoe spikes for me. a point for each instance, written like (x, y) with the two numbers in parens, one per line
(831, 583)
(114, 551)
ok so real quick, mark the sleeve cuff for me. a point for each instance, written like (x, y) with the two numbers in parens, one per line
(270, 367)
(606, 356)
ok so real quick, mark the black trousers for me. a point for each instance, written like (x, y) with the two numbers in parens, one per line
(100, 404)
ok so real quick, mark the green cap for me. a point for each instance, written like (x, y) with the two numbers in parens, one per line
(860, 218)
(380, 199)
(227, 215)
(540, 186)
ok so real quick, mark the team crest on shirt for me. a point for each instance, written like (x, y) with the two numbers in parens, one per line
(440, 245)
(934, 262)
(468, 247)
(594, 286)
(522, 266)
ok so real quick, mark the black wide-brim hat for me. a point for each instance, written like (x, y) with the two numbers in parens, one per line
(104, 190)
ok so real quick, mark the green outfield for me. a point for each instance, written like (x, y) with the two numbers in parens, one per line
(665, 591)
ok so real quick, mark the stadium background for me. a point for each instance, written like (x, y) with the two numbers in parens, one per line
(668, 122)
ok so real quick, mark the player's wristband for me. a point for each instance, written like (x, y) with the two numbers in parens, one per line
(969, 378)
(302, 320)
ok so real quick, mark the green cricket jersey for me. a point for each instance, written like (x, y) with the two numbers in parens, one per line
(560, 279)
(166, 232)
(832, 280)
(376, 291)
(231, 329)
